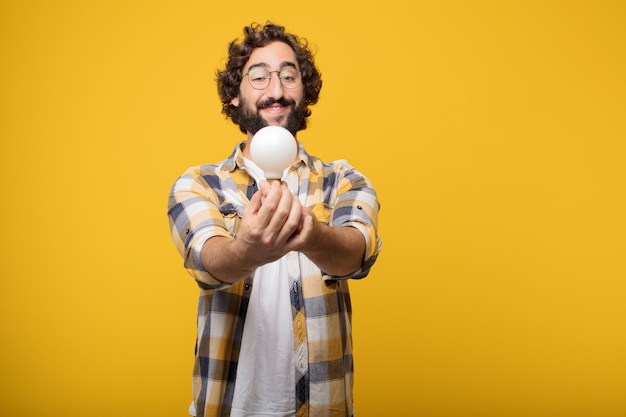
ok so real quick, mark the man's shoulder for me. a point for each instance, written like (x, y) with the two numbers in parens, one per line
(336, 166)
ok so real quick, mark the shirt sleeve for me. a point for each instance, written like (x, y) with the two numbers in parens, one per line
(194, 218)
(357, 206)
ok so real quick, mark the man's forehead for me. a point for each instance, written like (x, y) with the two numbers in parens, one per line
(276, 54)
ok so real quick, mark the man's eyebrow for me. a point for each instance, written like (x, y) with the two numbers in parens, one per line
(259, 65)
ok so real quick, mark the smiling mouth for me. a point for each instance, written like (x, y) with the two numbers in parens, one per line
(274, 108)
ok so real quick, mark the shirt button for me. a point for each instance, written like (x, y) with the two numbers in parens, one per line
(246, 286)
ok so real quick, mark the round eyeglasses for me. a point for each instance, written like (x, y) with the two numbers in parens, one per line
(259, 78)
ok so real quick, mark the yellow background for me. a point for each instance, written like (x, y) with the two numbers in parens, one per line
(494, 132)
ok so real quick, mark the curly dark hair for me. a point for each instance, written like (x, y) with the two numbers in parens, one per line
(239, 51)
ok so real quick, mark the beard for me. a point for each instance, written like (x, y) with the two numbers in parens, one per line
(251, 121)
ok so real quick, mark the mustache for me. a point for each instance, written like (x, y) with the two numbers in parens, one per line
(271, 101)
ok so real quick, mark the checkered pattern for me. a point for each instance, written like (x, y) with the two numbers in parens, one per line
(208, 201)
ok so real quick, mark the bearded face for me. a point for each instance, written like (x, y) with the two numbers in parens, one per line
(251, 120)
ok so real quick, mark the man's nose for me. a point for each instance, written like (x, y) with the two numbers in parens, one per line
(275, 88)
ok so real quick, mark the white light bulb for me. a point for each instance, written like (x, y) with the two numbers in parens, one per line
(273, 149)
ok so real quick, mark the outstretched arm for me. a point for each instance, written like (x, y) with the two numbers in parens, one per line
(338, 251)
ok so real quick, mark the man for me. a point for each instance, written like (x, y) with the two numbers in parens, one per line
(272, 259)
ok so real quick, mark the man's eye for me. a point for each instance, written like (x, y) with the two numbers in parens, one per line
(258, 75)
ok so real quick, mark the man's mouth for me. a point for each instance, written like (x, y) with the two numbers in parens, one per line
(273, 108)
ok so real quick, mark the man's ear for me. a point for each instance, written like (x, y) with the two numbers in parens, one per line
(235, 101)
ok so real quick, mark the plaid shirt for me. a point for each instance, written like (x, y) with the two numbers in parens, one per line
(208, 201)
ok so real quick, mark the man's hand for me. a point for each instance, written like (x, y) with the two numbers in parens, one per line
(275, 223)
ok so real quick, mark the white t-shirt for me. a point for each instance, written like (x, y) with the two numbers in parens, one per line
(265, 383)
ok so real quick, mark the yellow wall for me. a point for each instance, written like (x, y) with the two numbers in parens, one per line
(494, 131)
